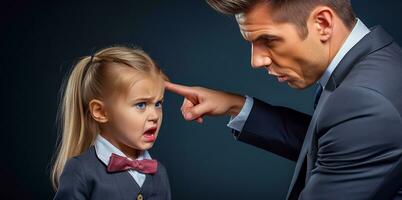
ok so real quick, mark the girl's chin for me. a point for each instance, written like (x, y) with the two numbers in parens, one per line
(146, 146)
(141, 145)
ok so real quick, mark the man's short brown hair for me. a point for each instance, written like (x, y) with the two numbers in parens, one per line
(293, 11)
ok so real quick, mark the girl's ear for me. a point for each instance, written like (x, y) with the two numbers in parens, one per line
(98, 111)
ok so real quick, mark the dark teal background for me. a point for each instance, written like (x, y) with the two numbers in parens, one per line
(194, 45)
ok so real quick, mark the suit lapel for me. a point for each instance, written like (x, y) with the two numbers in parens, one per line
(307, 141)
(373, 41)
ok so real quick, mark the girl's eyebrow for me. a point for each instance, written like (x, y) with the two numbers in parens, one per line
(147, 99)
(143, 98)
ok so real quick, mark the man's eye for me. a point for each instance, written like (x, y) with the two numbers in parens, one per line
(158, 104)
(270, 42)
(141, 105)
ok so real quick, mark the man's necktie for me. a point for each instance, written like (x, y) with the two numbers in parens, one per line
(317, 95)
(119, 163)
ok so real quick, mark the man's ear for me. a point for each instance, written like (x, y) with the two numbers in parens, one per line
(98, 111)
(324, 22)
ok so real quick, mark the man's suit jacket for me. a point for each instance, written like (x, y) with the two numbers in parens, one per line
(352, 145)
(86, 177)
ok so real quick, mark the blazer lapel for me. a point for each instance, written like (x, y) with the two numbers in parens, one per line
(126, 184)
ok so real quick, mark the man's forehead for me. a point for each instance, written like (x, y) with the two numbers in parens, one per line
(251, 27)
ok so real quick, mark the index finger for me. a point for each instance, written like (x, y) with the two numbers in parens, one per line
(179, 89)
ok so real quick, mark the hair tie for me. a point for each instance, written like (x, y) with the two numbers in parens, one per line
(87, 67)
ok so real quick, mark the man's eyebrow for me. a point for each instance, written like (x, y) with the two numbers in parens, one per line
(266, 37)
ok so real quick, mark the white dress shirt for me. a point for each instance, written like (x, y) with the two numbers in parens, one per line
(104, 150)
(358, 32)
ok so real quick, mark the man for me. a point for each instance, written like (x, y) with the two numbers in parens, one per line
(351, 147)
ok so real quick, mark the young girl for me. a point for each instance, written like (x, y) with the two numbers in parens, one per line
(111, 113)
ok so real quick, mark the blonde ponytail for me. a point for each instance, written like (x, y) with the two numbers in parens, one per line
(76, 136)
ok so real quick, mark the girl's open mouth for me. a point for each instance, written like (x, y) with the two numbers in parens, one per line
(149, 134)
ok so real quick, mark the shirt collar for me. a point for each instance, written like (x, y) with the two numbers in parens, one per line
(104, 150)
(358, 32)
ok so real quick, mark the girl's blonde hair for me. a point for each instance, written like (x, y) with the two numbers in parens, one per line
(91, 78)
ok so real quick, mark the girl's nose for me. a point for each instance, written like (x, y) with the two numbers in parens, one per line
(153, 114)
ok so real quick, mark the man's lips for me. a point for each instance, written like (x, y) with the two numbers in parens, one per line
(282, 78)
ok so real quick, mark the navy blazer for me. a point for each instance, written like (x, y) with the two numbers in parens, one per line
(351, 147)
(86, 177)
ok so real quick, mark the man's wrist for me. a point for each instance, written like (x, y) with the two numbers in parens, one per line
(237, 103)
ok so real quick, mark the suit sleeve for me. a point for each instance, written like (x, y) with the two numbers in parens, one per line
(72, 185)
(359, 143)
(276, 129)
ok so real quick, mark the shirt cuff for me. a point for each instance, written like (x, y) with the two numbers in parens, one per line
(237, 122)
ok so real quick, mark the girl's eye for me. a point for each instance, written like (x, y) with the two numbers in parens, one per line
(141, 105)
(158, 104)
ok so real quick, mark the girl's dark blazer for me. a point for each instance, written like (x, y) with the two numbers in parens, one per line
(86, 177)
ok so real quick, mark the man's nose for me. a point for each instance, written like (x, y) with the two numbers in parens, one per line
(259, 57)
